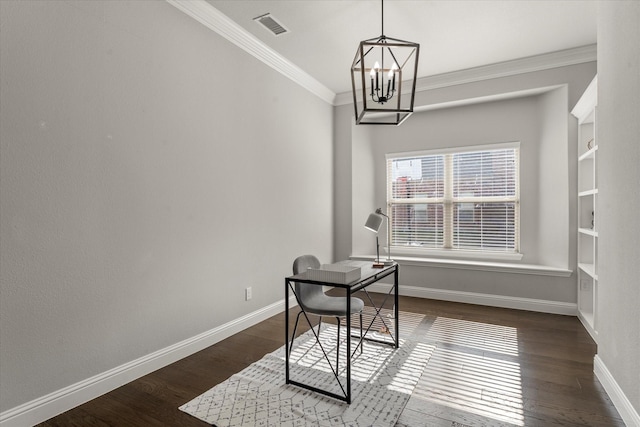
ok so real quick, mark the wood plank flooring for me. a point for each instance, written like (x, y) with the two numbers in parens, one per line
(552, 356)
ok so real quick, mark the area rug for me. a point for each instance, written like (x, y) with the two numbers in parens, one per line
(382, 380)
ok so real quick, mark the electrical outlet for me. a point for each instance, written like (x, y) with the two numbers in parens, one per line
(247, 294)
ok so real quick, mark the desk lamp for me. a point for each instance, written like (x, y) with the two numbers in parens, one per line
(373, 223)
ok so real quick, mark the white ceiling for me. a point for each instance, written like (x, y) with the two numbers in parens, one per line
(453, 34)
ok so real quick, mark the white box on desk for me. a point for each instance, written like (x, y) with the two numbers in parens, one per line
(334, 273)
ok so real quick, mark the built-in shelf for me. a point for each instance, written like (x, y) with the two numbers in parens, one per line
(588, 232)
(589, 154)
(586, 113)
(588, 192)
(590, 269)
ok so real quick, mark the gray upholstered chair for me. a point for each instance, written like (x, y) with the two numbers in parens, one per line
(313, 300)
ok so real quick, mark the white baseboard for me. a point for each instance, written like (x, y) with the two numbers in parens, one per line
(45, 407)
(55, 403)
(542, 306)
(629, 415)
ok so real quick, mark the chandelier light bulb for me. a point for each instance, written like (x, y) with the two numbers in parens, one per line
(392, 71)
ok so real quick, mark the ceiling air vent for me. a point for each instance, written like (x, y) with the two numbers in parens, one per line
(271, 24)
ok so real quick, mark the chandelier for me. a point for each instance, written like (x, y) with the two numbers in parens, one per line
(383, 79)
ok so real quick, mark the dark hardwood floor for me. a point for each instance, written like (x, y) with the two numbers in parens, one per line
(553, 355)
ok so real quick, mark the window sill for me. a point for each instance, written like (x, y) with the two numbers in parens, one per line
(421, 253)
(501, 267)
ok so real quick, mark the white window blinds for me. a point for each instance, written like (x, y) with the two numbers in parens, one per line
(467, 199)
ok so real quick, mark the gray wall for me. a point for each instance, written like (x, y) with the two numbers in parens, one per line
(540, 120)
(618, 136)
(120, 197)
(150, 171)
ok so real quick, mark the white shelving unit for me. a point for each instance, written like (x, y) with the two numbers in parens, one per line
(585, 111)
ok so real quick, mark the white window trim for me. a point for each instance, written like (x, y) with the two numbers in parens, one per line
(436, 151)
(452, 254)
(458, 264)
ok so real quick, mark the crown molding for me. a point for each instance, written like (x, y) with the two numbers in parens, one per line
(562, 58)
(215, 20)
(529, 64)
(587, 102)
(212, 18)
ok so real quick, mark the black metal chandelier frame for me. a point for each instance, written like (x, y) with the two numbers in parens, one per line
(370, 109)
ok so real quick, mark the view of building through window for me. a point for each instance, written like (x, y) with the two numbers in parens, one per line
(455, 200)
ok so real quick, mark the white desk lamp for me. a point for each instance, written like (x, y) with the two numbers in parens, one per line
(373, 224)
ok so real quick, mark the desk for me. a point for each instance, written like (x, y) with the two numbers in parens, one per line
(369, 275)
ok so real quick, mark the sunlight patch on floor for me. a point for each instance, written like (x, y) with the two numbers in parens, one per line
(482, 336)
(405, 378)
(410, 321)
(484, 383)
(398, 370)
(364, 367)
(475, 384)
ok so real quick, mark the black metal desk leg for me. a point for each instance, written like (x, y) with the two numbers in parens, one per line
(286, 328)
(348, 352)
(395, 307)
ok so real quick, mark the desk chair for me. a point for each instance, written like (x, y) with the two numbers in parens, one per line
(313, 300)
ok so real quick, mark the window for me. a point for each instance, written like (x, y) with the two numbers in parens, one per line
(463, 200)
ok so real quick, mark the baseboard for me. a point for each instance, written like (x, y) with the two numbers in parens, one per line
(45, 407)
(628, 413)
(529, 304)
(55, 403)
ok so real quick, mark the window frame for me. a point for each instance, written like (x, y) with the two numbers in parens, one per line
(448, 201)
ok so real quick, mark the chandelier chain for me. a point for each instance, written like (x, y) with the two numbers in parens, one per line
(382, 17)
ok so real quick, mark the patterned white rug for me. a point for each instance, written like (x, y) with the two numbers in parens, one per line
(382, 380)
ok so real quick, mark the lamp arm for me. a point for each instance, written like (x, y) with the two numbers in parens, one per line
(379, 212)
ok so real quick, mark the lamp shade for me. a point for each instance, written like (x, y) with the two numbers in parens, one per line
(373, 222)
